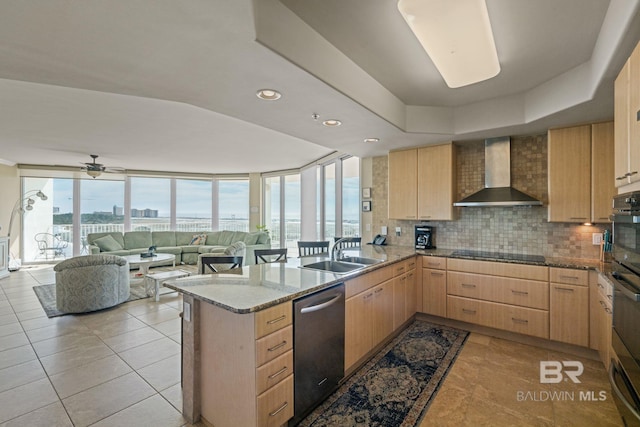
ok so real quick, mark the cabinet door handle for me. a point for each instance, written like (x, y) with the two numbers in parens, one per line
(466, 285)
(577, 217)
(280, 372)
(607, 310)
(563, 289)
(276, 320)
(379, 290)
(569, 277)
(464, 310)
(433, 264)
(275, 347)
(519, 292)
(620, 178)
(600, 286)
(280, 409)
(633, 173)
(516, 320)
(433, 273)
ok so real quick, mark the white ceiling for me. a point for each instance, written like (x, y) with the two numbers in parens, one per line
(170, 86)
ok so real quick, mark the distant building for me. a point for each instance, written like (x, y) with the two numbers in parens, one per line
(56, 210)
(144, 213)
(118, 210)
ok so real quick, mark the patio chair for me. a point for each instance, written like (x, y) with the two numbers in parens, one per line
(50, 244)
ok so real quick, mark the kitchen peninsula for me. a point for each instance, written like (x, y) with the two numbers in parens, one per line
(237, 334)
(237, 326)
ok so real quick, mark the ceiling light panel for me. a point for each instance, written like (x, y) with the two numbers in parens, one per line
(456, 35)
(268, 94)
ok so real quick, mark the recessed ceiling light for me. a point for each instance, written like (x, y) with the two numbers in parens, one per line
(371, 140)
(332, 123)
(268, 94)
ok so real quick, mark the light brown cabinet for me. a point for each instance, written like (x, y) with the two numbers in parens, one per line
(600, 316)
(436, 182)
(569, 306)
(422, 183)
(403, 184)
(512, 297)
(569, 174)
(251, 381)
(602, 170)
(581, 171)
(434, 286)
(358, 330)
(627, 125)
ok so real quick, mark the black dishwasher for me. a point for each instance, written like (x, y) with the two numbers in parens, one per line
(318, 343)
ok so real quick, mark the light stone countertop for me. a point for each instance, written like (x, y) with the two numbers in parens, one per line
(257, 287)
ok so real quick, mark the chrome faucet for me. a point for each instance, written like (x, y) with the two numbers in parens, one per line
(336, 251)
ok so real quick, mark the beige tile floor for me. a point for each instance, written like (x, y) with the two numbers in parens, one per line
(484, 383)
(121, 367)
(118, 367)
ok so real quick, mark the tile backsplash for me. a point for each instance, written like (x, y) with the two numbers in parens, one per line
(521, 229)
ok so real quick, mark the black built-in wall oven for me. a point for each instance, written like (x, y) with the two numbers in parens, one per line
(624, 373)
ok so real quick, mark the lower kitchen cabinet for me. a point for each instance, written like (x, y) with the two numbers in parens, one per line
(382, 312)
(358, 318)
(600, 317)
(434, 292)
(569, 306)
(434, 286)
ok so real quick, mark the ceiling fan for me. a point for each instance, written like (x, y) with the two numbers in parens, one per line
(94, 169)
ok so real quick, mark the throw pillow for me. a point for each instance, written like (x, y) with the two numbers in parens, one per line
(107, 244)
(198, 239)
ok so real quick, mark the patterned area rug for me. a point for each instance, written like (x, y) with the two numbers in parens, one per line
(397, 385)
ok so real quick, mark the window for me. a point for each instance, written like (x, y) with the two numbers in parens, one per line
(282, 210)
(329, 201)
(101, 208)
(351, 197)
(194, 202)
(233, 205)
(47, 232)
(150, 204)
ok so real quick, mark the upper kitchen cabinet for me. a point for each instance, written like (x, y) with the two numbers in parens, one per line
(403, 184)
(436, 182)
(422, 183)
(627, 125)
(569, 151)
(581, 170)
(602, 170)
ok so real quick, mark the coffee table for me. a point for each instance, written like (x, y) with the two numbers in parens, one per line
(145, 263)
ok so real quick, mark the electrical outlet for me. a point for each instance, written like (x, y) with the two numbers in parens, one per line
(368, 227)
(186, 312)
(398, 231)
(596, 238)
(383, 230)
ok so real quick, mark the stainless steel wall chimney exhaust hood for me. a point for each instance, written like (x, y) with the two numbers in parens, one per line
(497, 179)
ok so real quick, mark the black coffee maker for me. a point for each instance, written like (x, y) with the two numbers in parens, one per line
(425, 237)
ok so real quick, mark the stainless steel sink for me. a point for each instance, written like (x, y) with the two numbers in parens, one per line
(335, 266)
(360, 260)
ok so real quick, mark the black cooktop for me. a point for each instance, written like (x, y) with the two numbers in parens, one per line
(499, 256)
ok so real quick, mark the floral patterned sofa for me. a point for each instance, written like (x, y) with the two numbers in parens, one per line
(185, 245)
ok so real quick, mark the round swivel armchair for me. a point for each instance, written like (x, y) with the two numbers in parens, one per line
(91, 282)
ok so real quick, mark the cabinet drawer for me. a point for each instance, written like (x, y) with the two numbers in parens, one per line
(410, 264)
(273, 318)
(525, 293)
(605, 289)
(273, 372)
(367, 281)
(569, 276)
(434, 262)
(399, 268)
(275, 406)
(522, 320)
(274, 345)
(518, 271)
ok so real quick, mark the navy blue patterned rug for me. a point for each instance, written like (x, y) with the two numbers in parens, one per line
(397, 385)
